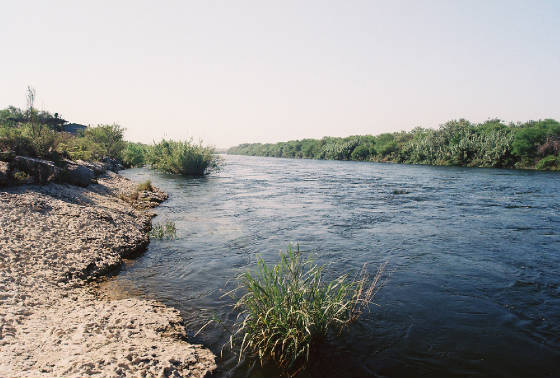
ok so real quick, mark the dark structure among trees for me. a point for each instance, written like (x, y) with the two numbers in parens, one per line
(74, 128)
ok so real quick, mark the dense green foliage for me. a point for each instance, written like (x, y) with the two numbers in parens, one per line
(134, 154)
(38, 134)
(12, 116)
(186, 158)
(288, 308)
(30, 140)
(488, 144)
(96, 143)
(43, 142)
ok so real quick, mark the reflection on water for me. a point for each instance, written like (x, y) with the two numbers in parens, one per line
(476, 255)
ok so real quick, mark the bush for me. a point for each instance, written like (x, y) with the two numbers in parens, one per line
(21, 177)
(83, 148)
(360, 153)
(185, 158)
(11, 139)
(549, 163)
(38, 141)
(134, 154)
(146, 185)
(288, 308)
(109, 138)
(44, 141)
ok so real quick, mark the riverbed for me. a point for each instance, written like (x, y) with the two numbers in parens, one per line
(473, 257)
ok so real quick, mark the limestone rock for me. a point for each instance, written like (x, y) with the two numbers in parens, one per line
(150, 198)
(77, 174)
(98, 167)
(5, 176)
(112, 164)
(42, 171)
(7, 155)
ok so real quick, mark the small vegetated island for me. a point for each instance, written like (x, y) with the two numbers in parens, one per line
(491, 144)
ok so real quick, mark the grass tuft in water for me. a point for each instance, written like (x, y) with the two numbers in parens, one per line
(166, 230)
(288, 308)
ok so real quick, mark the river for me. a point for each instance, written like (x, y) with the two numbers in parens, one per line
(474, 257)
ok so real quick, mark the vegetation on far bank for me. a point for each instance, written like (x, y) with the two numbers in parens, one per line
(41, 134)
(289, 308)
(533, 144)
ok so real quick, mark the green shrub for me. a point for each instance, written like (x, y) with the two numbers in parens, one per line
(288, 308)
(134, 154)
(549, 163)
(44, 141)
(146, 185)
(109, 138)
(21, 176)
(82, 148)
(185, 158)
(360, 153)
(166, 230)
(11, 139)
(35, 141)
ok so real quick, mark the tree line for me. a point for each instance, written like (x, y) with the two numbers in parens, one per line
(533, 144)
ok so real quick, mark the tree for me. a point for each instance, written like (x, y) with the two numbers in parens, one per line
(31, 116)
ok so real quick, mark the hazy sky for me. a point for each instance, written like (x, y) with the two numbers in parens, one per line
(262, 71)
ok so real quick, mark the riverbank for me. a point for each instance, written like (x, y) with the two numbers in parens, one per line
(460, 143)
(54, 241)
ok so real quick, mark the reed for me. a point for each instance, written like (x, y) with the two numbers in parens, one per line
(183, 157)
(288, 308)
(165, 230)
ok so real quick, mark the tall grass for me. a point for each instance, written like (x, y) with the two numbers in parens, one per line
(166, 230)
(185, 158)
(288, 308)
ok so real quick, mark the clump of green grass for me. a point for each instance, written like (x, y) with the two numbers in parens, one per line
(21, 176)
(145, 186)
(288, 308)
(183, 157)
(166, 230)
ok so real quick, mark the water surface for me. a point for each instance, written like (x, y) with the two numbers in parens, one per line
(475, 253)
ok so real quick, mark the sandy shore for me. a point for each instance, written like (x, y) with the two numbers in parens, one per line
(54, 239)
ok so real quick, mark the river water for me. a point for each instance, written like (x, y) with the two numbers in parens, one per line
(474, 255)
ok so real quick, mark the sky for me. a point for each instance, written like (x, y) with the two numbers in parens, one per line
(230, 72)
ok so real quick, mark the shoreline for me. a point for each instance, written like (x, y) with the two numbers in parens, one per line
(54, 321)
(528, 169)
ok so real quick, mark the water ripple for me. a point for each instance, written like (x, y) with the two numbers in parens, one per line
(475, 254)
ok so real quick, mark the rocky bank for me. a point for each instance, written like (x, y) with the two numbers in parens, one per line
(55, 239)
